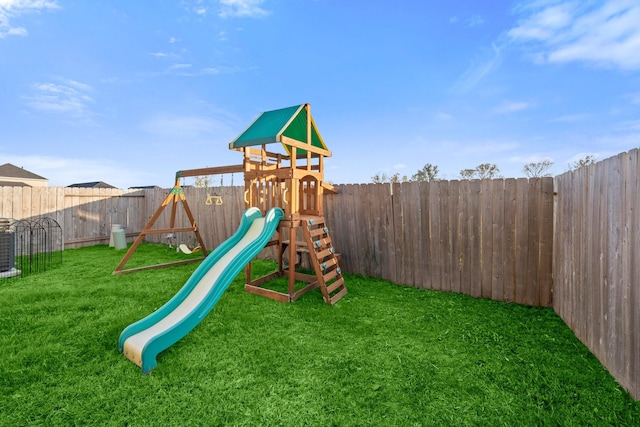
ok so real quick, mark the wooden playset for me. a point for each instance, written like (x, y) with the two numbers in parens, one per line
(292, 181)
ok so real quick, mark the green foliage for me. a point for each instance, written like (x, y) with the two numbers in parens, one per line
(428, 172)
(383, 355)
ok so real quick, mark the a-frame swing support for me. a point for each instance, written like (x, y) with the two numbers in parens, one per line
(176, 196)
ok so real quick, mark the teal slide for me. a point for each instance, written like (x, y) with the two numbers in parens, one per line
(143, 340)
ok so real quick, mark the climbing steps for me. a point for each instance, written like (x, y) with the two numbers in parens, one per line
(324, 259)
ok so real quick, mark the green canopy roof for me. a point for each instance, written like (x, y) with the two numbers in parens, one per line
(270, 126)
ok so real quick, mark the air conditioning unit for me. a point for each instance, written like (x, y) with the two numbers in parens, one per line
(7, 246)
(7, 251)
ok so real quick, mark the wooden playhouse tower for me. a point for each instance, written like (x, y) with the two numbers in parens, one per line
(293, 181)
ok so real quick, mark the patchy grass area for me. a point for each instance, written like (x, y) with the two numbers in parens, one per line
(384, 355)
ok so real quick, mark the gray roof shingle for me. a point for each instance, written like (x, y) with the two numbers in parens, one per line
(11, 171)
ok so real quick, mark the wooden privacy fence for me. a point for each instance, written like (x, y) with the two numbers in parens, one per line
(488, 238)
(86, 215)
(597, 262)
(485, 238)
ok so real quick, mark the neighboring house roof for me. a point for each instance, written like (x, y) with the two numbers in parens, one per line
(95, 184)
(13, 176)
(11, 171)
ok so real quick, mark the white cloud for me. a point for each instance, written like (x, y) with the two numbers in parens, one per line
(242, 9)
(512, 107)
(631, 125)
(478, 70)
(634, 98)
(605, 34)
(10, 9)
(184, 70)
(180, 66)
(571, 118)
(68, 96)
(474, 21)
(443, 116)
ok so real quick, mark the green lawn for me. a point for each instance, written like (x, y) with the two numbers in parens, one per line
(384, 355)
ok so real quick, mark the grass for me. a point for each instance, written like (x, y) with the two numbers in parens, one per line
(384, 355)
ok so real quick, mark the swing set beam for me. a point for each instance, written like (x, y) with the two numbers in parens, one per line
(217, 170)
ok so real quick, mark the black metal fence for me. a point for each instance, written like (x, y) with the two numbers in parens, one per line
(29, 246)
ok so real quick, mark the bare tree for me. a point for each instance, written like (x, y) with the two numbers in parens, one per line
(582, 162)
(467, 173)
(428, 172)
(488, 170)
(537, 169)
(381, 178)
(482, 171)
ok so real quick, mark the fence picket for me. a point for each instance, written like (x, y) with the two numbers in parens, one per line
(486, 238)
(498, 240)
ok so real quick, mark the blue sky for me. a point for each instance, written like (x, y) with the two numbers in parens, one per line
(129, 92)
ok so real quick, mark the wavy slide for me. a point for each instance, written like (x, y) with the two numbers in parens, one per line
(143, 340)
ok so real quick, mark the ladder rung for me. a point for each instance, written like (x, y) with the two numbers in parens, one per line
(322, 243)
(334, 299)
(319, 221)
(323, 254)
(330, 275)
(329, 263)
(335, 285)
(318, 232)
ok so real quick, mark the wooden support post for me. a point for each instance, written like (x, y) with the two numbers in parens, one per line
(292, 259)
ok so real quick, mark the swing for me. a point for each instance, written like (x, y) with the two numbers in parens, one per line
(217, 198)
(210, 199)
(185, 249)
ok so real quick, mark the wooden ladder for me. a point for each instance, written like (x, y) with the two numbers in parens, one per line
(324, 259)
